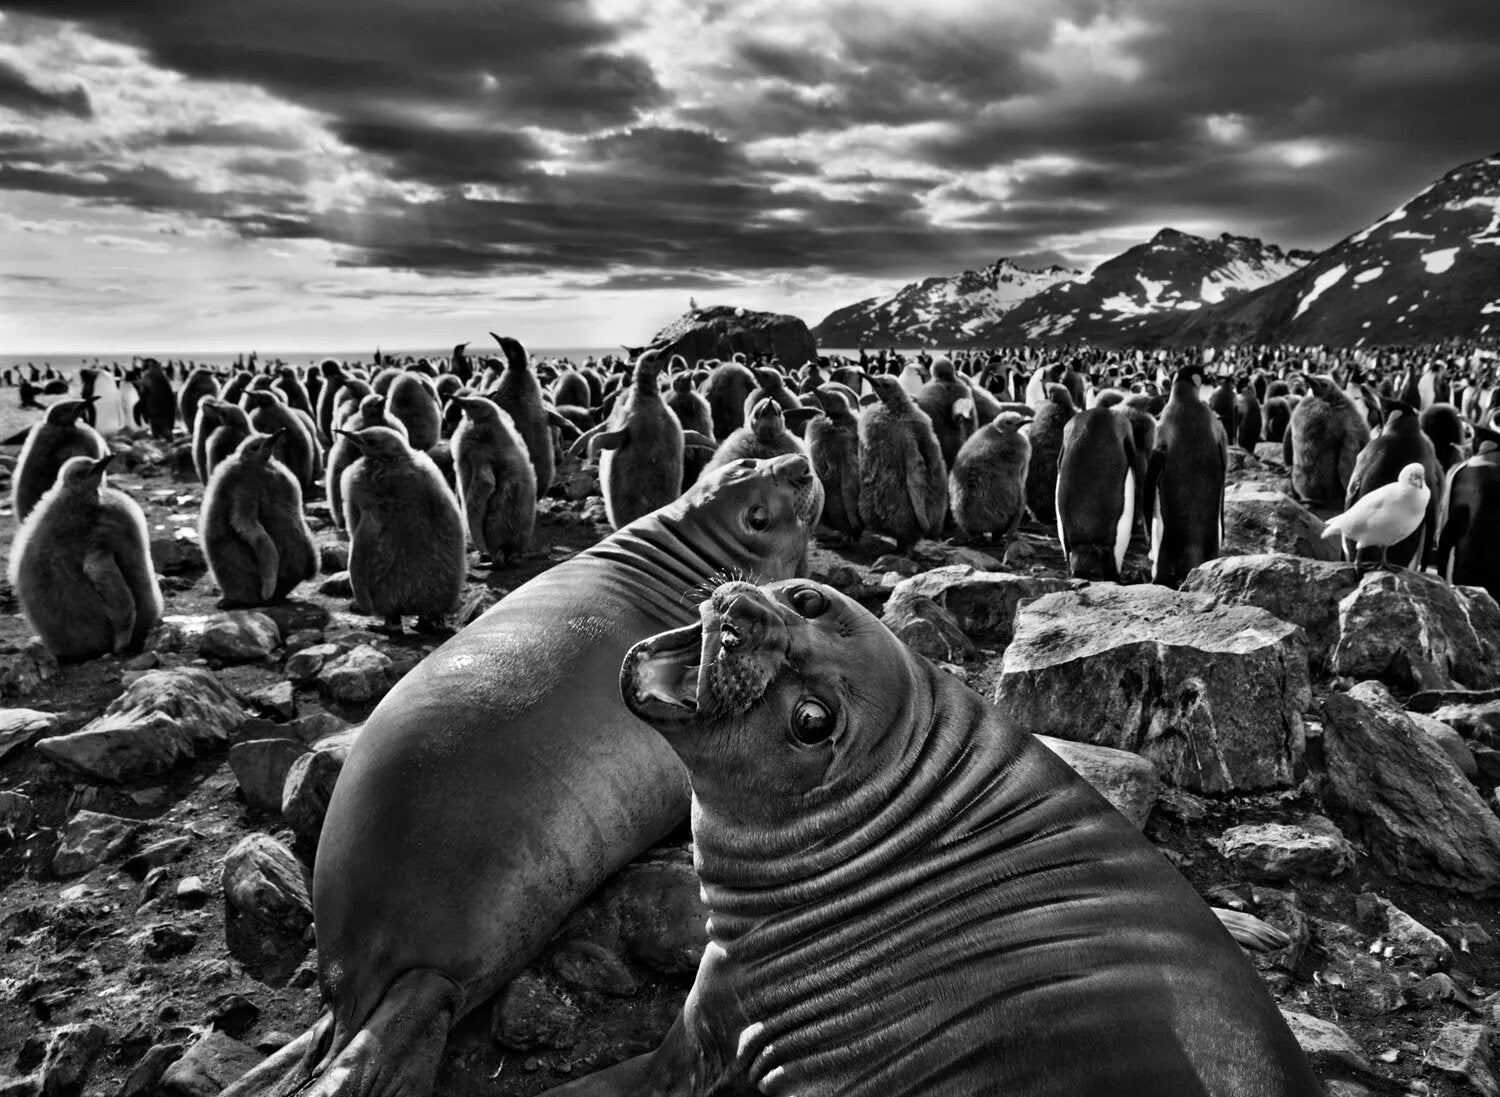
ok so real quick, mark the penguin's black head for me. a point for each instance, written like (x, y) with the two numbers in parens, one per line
(83, 474)
(1395, 409)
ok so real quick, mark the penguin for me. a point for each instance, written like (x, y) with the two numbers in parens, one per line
(769, 382)
(694, 414)
(1045, 433)
(1323, 439)
(728, 387)
(572, 388)
(297, 396)
(1185, 482)
(109, 407)
(1385, 458)
(200, 383)
(1388, 515)
(407, 553)
(496, 483)
(640, 447)
(81, 567)
(49, 444)
(371, 413)
(236, 386)
(1247, 417)
(269, 414)
(903, 481)
(1222, 402)
(232, 429)
(1096, 493)
(459, 365)
(833, 449)
(766, 434)
(351, 394)
(334, 378)
(158, 399)
(205, 422)
(911, 378)
(1276, 416)
(1470, 518)
(950, 406)
(987, 487)
(1444, 427)
(382, 381)
(414, 400)
(519, 395)
(251, 526)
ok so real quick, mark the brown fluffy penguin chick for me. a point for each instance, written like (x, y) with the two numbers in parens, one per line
(81, 567)
(413, 399)
(372, 413)
(48, 446)
(1321, 444)
(693, 413)
(833, 448)
(764, 435)
(519, 395)
(987, 487)
(252, 528)
(903, 483)
(950, 405)
(496, 483)
(406, 537)
(1046, 436)
(234, 427)
(269, 414)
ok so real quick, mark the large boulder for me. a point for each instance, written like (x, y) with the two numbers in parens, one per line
(723, 331)
(1261, 519)
(1293, 588)
(982, 603)
(1212, 695)
(267, 908)
(1423, 821)
(164, 717)
(308, 786)
(1412, 632)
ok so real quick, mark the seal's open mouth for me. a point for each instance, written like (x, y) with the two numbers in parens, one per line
(663, 674)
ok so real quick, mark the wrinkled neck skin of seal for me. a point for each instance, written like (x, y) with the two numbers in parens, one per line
(764, 863)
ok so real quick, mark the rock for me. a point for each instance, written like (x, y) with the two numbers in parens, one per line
(16, 813)
(476, 602)
(1407, 938)
(241, 636)
(179, 553)
(303, 666)
(979, 561)
(300, 640)
(70, 1056)
(1298, 590)
(278, 701)
(1463, 1050)
(1411, 632)
(1327, 1047)
(663, 922)
(983, 603)
(309, 786)
(1471, 719)
(359, 677)
(28, 1086)
(927, 628)
(209, 1066)
(233, 1014)
(267, 908)
(260, 766)
(591, 966)
(157, 854)
(1212, 695)
(145, 1079)
(531, 1014)
(163, 941)
(1484, 617)
(317, 728)
(1126, 780)
(23, 673)
(294, 615)
(1451, 741)
(723, 330)
(1423, 821)
(575, 479)
(1278, 851)
(1259, 519)
(163, 718)
(903, 566)
(1270, 454)
(192, 892)
(19, 726)
(90, 839)
(333, 557)
(337, 585)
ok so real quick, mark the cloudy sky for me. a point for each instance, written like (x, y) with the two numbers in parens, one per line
(320, 174)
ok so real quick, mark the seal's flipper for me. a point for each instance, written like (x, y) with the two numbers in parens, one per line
(673, 1070)
(394, 1054)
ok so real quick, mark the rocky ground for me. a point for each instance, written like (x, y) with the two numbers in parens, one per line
(1319, 771)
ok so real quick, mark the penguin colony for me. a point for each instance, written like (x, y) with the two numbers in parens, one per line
(424, 461)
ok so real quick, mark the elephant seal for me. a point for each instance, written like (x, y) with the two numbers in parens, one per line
(909, 896)
(502, 780)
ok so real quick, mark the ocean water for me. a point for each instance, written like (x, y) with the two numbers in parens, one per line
(69, 363)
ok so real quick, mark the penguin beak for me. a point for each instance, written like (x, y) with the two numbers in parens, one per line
(100, 465)
(354, 439)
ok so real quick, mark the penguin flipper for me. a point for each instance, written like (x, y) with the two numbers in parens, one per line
(103, 573)
(693, 439)
(562, 423)
(245, 522)
(608, 439)
(582, 444)
(478, 491)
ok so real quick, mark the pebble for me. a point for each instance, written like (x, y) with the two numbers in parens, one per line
(303, 666)
(358, 677)
(241, 636)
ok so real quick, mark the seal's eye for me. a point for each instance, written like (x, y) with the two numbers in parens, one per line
(809, 602)
(811, 722)
(759, 517)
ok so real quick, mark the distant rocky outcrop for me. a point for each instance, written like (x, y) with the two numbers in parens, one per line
(724, 330)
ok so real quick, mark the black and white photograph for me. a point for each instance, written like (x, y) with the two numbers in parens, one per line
(795, 548)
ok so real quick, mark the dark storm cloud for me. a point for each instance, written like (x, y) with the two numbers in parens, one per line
(229, 135)
(443, 156)
(19, 93)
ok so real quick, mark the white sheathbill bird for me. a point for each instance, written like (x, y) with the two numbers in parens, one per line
(1387, 515)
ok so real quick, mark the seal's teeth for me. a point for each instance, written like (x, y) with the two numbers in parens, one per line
(729, 636)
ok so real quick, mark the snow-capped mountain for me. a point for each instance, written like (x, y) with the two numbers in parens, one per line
(1173, 272)
(938, 311)
(1428, 270)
